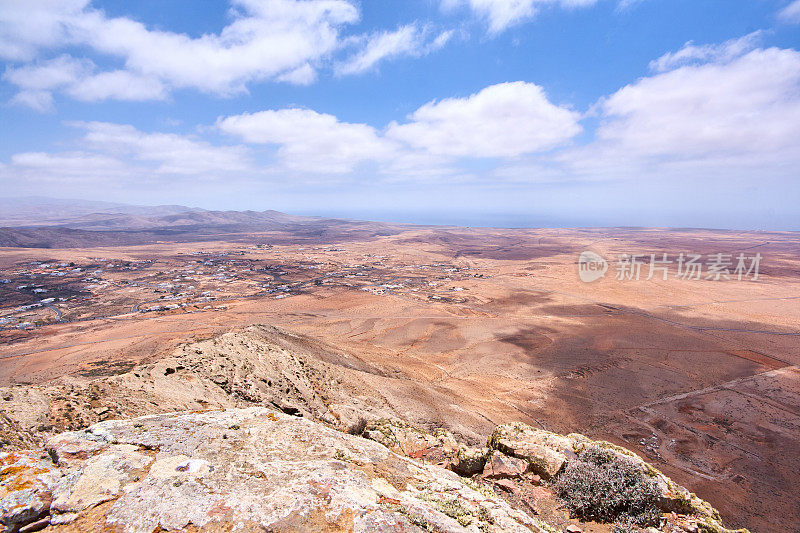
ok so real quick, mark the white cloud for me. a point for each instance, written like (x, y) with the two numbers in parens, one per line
(309, 141)
(724, 119)
(48, 75)
(692, 54)
(501, 14)
(78, 79)
(41, 101)
(117, 85)
(706, 112)
(733, 106)
(172, 153)
(266, 40)
(791, 13)
(70, 171)
(37, 80)
(27, 25)
(409, 40)
(122, 157)
(504, 120)
(625, 4)
(303, 75)
(79, 164)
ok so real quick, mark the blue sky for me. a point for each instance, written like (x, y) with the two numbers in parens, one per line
(503, 112)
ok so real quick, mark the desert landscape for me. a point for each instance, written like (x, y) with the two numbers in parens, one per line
(400, 266)
(441, 327)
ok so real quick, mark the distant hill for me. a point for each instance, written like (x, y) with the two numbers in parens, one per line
(43, 211)
(36, 222)
(196, 218)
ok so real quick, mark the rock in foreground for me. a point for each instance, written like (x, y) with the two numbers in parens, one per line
(258, 469)
(240, 470)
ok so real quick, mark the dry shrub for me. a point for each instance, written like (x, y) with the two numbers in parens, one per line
(358, 428)
(599, 485)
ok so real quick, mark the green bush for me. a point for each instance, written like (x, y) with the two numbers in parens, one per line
(600, 485)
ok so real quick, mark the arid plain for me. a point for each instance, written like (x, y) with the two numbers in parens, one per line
(467, 328)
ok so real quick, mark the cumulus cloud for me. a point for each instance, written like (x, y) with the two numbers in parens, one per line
(501, 14)
(722, 117)
(302, 75)
(121, 156)
(266, 40)
(410, 40)
(74, 166)
(117, 85)
(750, 103)
(791, 13)
(705, 112)
(310, 141)
(504, 120)
(28, 25)
(41, 101)
(78, 78)
(47, 75)
(173, 153)
(693, 54)
(501, 121)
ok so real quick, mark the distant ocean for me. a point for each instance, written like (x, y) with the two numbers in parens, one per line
(567, 220)
(471, 219)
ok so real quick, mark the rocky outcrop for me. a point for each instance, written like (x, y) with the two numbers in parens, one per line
(239, 469)
(26, 483)
(519, 458)
(500, 465)
(547, 453)
(439, 447)
(258, 468)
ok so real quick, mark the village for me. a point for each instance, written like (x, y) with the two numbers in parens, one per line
(45, 291)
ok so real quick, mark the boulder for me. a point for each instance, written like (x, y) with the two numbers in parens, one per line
(468, 460)
(405, 439)
(26, 484)
(500, 465)
(439, 447)
(543, 451)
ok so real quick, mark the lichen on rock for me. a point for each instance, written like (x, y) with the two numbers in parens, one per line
(247, 469)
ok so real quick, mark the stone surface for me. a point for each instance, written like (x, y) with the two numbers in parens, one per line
(256, 366)
(544, 451)
(405, 439)
(99, 479)
(26, 484)
(255, 468)
(261, 469)
(501, 465)
(547, 453)
(439, 447)
(469, 460)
